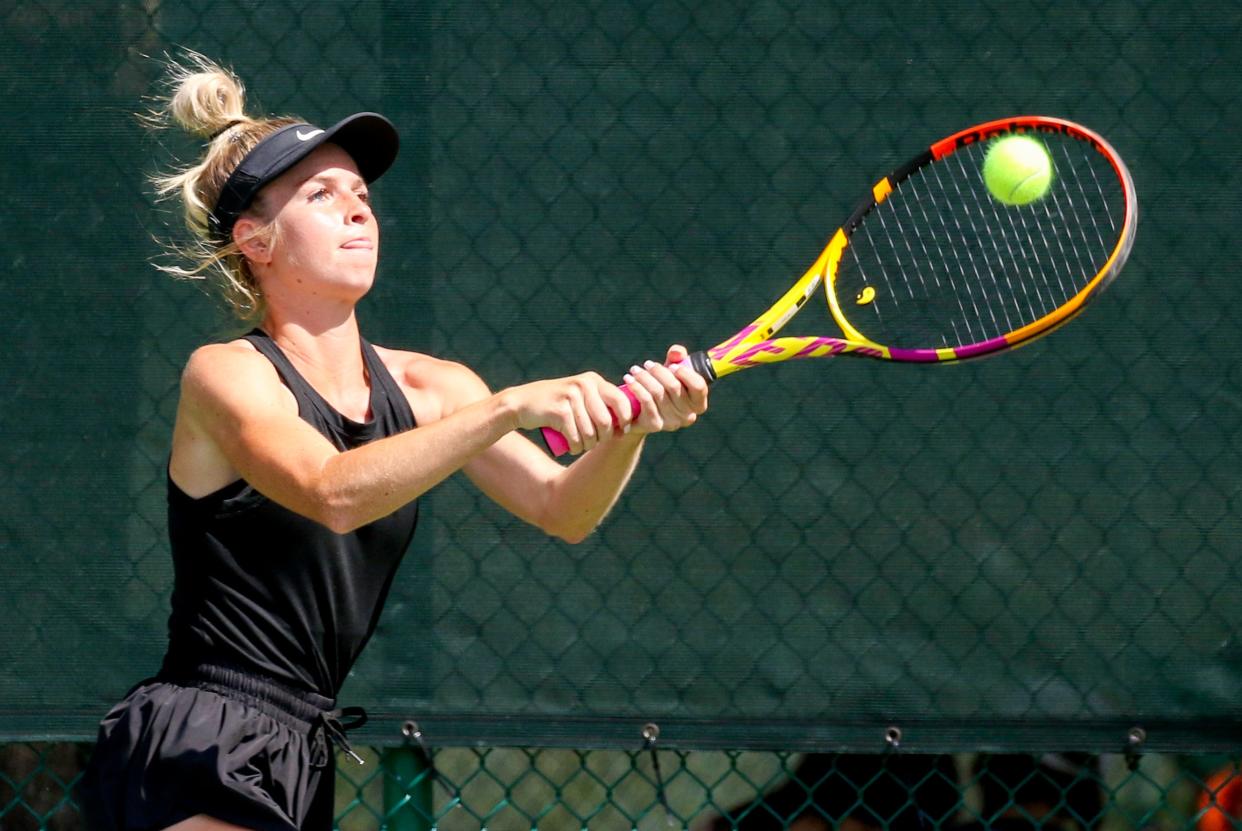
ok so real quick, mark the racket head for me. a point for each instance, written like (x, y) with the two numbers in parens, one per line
(935, 268)
(930, 267)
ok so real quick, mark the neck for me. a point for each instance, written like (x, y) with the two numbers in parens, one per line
(306, 319)
(328, 353)
(316, 334)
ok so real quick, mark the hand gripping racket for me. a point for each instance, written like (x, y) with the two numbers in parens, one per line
(930, 268)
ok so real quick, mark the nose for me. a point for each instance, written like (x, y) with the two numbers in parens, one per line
(359, 211)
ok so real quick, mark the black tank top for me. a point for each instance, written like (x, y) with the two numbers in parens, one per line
(264, 590)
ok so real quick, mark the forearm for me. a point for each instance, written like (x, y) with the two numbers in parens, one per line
(371, 481)
(588, 489)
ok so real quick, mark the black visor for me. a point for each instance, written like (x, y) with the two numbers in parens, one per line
(369, 138)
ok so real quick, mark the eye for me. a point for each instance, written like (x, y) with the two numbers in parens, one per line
(364, 196)
(319, 194)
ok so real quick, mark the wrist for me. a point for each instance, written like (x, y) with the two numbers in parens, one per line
(507, 411)
(633, 438)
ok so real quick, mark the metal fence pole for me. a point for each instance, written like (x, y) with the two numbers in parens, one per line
(407, 789)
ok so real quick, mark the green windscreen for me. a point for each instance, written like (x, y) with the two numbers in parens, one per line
(1036, 551)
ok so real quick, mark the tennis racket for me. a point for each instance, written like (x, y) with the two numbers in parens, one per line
(930, 268)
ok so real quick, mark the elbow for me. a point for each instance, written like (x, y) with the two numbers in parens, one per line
(337, 518)
(340, 524)
(336, 501)
(336, 512)
(570, 532)
(557, 526)
(567, 528)
(572, 536)
(548, 516)
(565, 518)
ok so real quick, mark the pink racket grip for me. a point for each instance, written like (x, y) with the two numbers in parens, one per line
(556, 441)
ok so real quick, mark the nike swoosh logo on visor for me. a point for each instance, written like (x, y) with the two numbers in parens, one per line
(307, 136)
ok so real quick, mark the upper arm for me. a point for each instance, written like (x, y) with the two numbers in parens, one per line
(232, 396)
(513, 472)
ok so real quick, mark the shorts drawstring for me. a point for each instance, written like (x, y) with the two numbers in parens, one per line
(328, 729)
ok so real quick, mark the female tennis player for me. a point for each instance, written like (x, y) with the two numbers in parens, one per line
(298, 456)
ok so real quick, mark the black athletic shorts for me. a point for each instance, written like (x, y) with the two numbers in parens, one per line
(218, 742)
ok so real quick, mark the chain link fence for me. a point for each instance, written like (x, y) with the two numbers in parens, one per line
(1036, 556)
(402, 789)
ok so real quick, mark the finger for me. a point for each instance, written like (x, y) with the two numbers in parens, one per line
(667, 378)
(654, 387)
(695, 384)
(696, 387)
(618, 404)
(576, 416)
(569, 429)
(586, 428)
(589, 412)
(674, 392)
(645, 389)
(597, 406)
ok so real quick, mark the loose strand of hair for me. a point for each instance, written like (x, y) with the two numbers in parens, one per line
(220, 266)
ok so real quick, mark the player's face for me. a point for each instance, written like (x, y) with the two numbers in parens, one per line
(326, 235)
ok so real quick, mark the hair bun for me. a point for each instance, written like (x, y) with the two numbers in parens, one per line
(206, 98)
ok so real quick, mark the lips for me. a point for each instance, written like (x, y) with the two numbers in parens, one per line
(359, 244)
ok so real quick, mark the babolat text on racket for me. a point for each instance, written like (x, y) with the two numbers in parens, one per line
(931, 267)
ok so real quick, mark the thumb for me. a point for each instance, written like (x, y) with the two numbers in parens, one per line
(676, 354)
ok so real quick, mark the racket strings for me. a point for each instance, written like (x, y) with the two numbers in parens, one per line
(1033, 295)
(986, 270)
(951, 266)
(957, 275)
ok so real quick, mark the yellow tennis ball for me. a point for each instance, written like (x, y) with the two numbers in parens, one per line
(1017, 169)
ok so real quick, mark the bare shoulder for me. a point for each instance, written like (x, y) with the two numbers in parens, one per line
(223, 385)
(435, 387)
(232, 371)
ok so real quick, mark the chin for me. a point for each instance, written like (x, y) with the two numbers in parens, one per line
(358, 265)
(362, 284)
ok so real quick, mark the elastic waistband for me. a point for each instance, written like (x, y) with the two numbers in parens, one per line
(308, 712)
(266, 694)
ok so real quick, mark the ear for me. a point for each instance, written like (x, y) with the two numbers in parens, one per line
(254, 246)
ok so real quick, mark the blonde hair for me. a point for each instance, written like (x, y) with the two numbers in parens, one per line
(207, 100)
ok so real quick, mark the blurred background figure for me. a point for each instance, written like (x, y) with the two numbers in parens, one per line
(1058, 791)
(853, 792)
(1220, 804)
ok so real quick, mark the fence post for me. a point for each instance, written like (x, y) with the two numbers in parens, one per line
(407, 789)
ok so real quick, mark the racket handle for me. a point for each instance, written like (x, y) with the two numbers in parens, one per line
(557, 442)
(559, 446)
